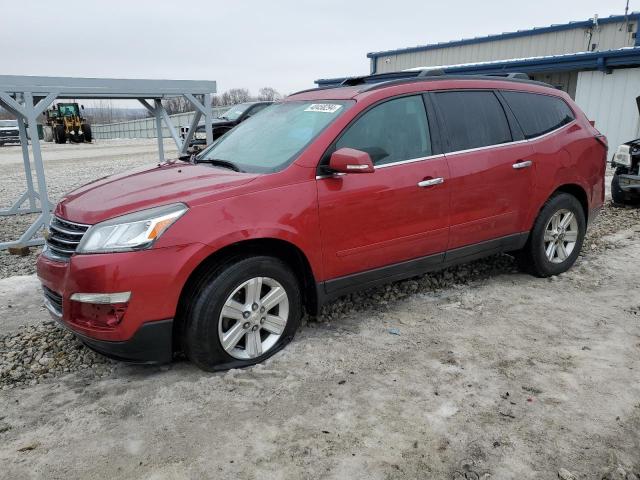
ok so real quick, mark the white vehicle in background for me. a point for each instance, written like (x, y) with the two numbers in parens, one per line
(9, 132)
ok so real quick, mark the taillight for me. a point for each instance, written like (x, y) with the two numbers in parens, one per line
(603, 141)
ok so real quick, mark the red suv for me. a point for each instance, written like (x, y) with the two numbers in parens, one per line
(331, 190)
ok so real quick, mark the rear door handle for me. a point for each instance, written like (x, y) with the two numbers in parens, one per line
(522, 164)
(431, 182)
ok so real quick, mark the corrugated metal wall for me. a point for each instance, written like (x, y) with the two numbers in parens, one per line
(565, 81)
(608, 37)
(610, 100)
(145, 127)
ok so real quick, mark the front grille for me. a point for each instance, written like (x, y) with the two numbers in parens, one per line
(9, 133)
(64, 237)
(52, 301)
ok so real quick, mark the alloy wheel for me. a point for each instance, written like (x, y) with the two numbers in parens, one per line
(560, 236)
(253, 318)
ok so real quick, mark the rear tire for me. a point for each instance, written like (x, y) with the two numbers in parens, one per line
(48, 133)
(556, 238)
(88, 136)
(249, 329)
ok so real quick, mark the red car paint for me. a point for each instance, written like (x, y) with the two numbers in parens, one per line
(342, 225)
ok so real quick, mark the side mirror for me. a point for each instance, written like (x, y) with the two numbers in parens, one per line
(350, 160)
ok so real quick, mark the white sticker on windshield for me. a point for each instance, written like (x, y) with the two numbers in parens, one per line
(323, 107)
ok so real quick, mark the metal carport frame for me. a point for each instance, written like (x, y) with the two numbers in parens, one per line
(27, 97)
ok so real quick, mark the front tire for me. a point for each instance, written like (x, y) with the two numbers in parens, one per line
(617, 195)
(556, 238)
(241, 313)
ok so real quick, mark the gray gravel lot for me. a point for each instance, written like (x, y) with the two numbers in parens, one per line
(68, 167)
(478, 371)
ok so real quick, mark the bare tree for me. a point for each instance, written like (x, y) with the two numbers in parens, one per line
(269, 94)
(235, 96)
(177, 105)
(104, 112)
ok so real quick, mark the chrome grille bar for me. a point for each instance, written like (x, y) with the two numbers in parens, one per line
(64, 238)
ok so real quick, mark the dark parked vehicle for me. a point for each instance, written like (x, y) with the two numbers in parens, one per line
(226, 122)
(9, 132)
(329, 191)
(625, 185)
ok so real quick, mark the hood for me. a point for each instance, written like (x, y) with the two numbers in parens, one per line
(218, 122)
(146, 188)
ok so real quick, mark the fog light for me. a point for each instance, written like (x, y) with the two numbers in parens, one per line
(99, 310)
(102, 298)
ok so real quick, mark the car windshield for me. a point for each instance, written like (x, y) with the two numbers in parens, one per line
(272, 139)
(8, 123)
(234, 112)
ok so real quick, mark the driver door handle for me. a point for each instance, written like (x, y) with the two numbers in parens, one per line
(522, 164)
(431, 182)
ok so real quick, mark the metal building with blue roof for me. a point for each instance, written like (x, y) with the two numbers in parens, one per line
(596, 61)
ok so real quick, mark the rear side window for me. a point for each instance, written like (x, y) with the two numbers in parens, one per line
(391, 132)
(473, 119)
(538, 114)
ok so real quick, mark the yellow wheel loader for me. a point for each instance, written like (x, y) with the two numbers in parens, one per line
(67, 123)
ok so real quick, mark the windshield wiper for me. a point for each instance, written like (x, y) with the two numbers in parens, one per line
(219, 163)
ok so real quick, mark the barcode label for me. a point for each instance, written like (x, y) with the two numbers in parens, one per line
(323, 107)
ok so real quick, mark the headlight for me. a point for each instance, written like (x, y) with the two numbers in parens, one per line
(135, 231)
(622, 156)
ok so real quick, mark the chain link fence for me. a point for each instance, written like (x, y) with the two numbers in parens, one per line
(146, 127)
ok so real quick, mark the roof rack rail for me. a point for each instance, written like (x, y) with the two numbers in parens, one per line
(379, 80)
(435, 72)
(382, 77)
(516, 75)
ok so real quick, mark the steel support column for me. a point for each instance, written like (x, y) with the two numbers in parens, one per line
(29, 112)
(205, 109)
(17, 94)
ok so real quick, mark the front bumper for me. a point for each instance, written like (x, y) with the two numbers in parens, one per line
(152, 343)
(9, 139)
(629, 183)
(196, 145)
(155, 279)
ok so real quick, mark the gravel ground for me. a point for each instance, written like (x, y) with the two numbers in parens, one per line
(477, 371)
(505, 376)
(48, 355)
(87, 162)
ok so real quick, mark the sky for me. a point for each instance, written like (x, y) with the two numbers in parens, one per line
(249, 43)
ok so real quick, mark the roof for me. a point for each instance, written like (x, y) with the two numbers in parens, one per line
(365, 85)
(503, 36)
(603, 60)
(71, 87)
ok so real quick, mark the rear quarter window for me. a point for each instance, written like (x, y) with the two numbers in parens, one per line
(472, 119)
(538, 114)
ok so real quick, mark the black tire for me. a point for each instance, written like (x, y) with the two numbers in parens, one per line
(59, 134)
(201, 311)
(621, 197)
(532, 258)
(617, 195)
(88, 136)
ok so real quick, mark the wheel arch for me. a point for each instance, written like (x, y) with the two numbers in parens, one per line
(579, 193)
(286, 251)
